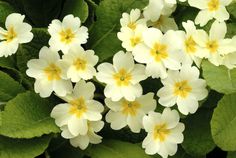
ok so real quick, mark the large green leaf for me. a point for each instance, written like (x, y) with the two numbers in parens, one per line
(78, 8)
(231, 30)
(5, 10)
(27, 116)
(103, 36)
(231, 8)
(197, 134)
(9, 88)
(231, 154)
(219, 78)
(23, 148)
(116, 149)
(223, 123)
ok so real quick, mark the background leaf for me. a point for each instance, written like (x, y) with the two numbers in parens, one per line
(223, 123)
(231, 154)
(27, 116)
(5, 10)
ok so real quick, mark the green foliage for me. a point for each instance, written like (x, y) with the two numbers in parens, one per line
(9, 88)
(5, 10)
(22, 148)
(231, 30)
(27, 116)
(223, 123)
(231, 154)
(78, 8)
(116, 149)
(197, 134)
(219, 78)
(103, 36)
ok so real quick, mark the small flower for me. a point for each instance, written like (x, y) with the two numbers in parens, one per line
(82, 141)
(17, 32)
(49, 73)
(184, 88)
(215, 45)
(67, 33)
(129, 113)
(79, 109)
(132, 20)
(159, 52)
(122, 78)
(210, 9)
(80, 64)
(164, 132)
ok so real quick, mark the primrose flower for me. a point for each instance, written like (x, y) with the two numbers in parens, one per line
(79, 109)
(184, 88)
(210, 9)
(67, 33)
(122, 78)
(80, 64)
(49, 73)
(164, 133)
(17, 32)
(123, 112)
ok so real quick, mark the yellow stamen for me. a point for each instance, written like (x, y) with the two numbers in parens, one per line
(160, 132)
(78, 107)
(213, 5)
(190, 45)
(134, 41)
(159, 22)
(212, 46)
(132, 25)
(130, 108)
(11, 35)
(122, 78)
(53, 72)
(159, 52)
(67, 36)
(80, 64)
(182, 89)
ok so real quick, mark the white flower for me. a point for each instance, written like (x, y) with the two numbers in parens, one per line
(165, 23)
(80, 63)
(129, 113)
(82, 141)
(159, 52)
(210, 9)
(229, 60)
(67, 33)
(164, 132)
(17, 32)
(130, 38)
(79, 109)
(184, 88)
(214, 45)
(49, 73)
(122, 78)
(132, 20)
(190, 48)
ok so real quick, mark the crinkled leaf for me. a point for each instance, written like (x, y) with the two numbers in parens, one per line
(5, 10)
(78, 8)
(197, 135)
(231, 154)
(9, 88)
(116, 149)
(231, 30)
(23, 148)
(27, 116)
(223, 123)
(103, 36)
(219, 78)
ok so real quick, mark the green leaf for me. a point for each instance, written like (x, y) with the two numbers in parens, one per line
(23, 148)
(31, 50)
(231, 8)
(78, 8)
(9, 88)
(231, 154)
(116, 149)
(5, 10)
(223, 123)
(231, 30)
(219, 78)
(27, 116)
(103, 36)
(8, 62)
(197, 134)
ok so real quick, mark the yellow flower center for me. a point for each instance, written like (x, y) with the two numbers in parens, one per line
(53, 72)
(80, 64)
(159, 52)
(132, 25)
(182, 89)
(130, 108)
(134, 41)
(212, 46)
(161, 132)
(11, 35)
(67, 36)
(213, 5)
(122, 78)
(159, 22)
(78, 107)
(190, 45)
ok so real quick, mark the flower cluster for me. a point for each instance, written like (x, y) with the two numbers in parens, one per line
(153, 47)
